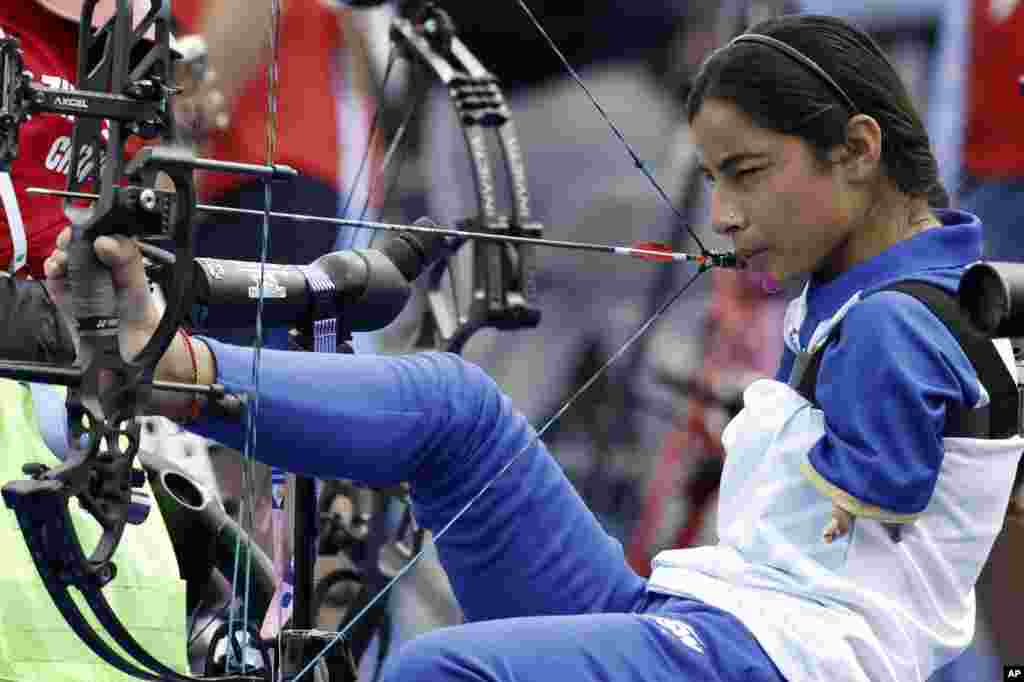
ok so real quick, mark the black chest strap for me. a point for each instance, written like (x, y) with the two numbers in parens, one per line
(998, 419)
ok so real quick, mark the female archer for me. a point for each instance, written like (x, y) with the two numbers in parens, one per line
(863, 487)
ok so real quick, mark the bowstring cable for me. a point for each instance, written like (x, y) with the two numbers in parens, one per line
(590, 382)
(248, 455)
(611, 124)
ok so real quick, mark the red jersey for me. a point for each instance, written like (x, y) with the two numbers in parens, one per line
(323, 109)
(994, 138)
(50, 53)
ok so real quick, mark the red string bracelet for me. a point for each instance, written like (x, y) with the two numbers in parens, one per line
(194, 408)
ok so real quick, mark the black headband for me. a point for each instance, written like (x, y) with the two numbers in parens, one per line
(798, 56)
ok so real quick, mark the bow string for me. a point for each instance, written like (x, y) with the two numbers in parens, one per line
(105, 390)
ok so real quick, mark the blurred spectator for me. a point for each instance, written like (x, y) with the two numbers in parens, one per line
(324, 106)
(993, 151)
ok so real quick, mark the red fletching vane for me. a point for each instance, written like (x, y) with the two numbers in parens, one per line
(652, 251)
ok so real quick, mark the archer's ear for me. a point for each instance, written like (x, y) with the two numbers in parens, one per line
(861, 155)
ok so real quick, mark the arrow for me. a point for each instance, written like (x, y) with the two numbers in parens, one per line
(644, 250)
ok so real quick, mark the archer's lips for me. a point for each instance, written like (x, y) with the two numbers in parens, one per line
(750, 256)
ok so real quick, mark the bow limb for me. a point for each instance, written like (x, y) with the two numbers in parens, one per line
(503, 290)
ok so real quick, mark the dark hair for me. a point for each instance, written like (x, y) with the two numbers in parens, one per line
(780, 93)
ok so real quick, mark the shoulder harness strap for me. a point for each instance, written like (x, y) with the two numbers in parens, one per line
(998, 419)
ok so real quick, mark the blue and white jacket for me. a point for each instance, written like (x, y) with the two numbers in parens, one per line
(863, 607)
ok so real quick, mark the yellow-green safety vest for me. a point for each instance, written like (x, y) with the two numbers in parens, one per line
(36, 644)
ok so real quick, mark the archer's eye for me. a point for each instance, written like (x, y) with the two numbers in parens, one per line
(748, 173)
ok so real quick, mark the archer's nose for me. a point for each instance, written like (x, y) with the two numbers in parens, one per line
(724, 219)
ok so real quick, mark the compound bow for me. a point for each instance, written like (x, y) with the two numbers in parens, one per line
(105, 391)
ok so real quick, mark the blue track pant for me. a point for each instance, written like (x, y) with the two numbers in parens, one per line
(547, 592)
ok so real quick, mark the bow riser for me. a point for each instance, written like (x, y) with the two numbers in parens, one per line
(503, 290)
